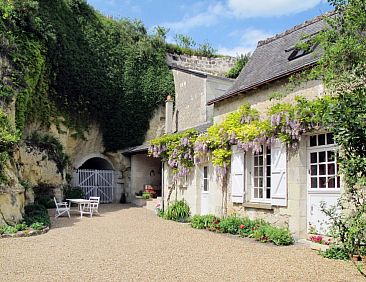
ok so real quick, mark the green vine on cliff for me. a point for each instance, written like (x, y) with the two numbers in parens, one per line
(66, 59)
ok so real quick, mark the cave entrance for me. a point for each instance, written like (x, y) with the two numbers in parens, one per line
(95, 177)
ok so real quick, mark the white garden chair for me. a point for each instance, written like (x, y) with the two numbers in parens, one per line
(91, 207)
(94, 204)
(61, 208)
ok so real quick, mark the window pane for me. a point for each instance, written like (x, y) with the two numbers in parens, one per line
(331, 169)
(322, 182)
(205, 172)
(313, 158)
(338, 182)
(321, 139)
(331, 156)
(255, 160)
(268, 159)
(261, 193)
(268, 196)
(255, 182)
(312, 141)
(260, 182)
(268, 182)
(268, 171)
(256, 193)
(261, 171)
(330, 138)
(260, 160)
(322, 169)
(256, 171)
(205, 185)
(314, 170)
(331, 182)
(321, 157)
(314, 182)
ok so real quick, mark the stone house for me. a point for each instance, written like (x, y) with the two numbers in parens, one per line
(281, 186)
(195, 86)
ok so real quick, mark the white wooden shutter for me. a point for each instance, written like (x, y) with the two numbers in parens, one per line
(237, 175)
(278, 174)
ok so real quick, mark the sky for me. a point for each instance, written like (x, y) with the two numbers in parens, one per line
(232, 27)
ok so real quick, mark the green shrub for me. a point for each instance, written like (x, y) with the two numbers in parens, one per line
(248, 226)
(214, 224)
(7, 229)
(202, 221)
(280, 236)
(43, 195)
(21, 226)
(335, 252)
(146, 195)
(276, 235)
(160, 212)
(72, 192)
(178, 211)
(37, 226)
(36, 213)
(231, 224)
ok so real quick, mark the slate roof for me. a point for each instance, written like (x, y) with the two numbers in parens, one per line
(269, 61)
(145, 146)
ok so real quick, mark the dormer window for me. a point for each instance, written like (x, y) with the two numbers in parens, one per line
(308, 47)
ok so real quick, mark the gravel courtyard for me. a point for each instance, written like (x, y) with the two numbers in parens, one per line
(127, 243)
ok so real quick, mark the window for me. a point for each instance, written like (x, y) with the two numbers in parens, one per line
(323, 168)
(298, 52)
(262, 175)
(205, 179)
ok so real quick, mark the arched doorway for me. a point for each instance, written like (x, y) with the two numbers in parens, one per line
(95, 176)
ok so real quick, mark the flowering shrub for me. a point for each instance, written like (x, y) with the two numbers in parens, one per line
(202, 221)
(244, 128)
(317, 239)
(231, 224)
(245, 227)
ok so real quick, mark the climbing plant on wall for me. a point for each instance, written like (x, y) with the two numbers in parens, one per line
(68, 60)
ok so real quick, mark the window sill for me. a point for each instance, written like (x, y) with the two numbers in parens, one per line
(261, 206)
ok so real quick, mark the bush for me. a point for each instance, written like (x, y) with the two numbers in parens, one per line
(36, 213)
(146, 195)
(37, 226)
(7, 229)
(73, 192)
(202, 221)
(231, 224)
(335, 252)
(43, 195)
(214, 224)
(248, 226)
(178, 211)
(276, 235)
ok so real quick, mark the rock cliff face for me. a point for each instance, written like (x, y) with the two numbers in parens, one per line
(12, 197)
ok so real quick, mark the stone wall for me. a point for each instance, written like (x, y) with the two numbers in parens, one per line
(294, 215)
(215, 65)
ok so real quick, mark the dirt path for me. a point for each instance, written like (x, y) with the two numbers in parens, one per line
(129, 244)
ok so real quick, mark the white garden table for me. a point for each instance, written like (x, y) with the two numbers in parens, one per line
(81, 206)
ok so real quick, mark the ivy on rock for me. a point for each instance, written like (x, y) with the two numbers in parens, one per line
(69, 60)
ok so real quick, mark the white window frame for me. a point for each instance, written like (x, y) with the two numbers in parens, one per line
(264, 176)
(205, 179)
(317, 149)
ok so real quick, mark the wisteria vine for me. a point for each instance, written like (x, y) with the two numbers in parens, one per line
(245, 128)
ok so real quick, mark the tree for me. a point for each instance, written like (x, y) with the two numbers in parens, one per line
(342, 68)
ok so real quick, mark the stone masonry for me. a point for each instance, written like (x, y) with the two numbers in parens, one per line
(215, 65)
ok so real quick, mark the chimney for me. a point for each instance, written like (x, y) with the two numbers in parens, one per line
(169, 114)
